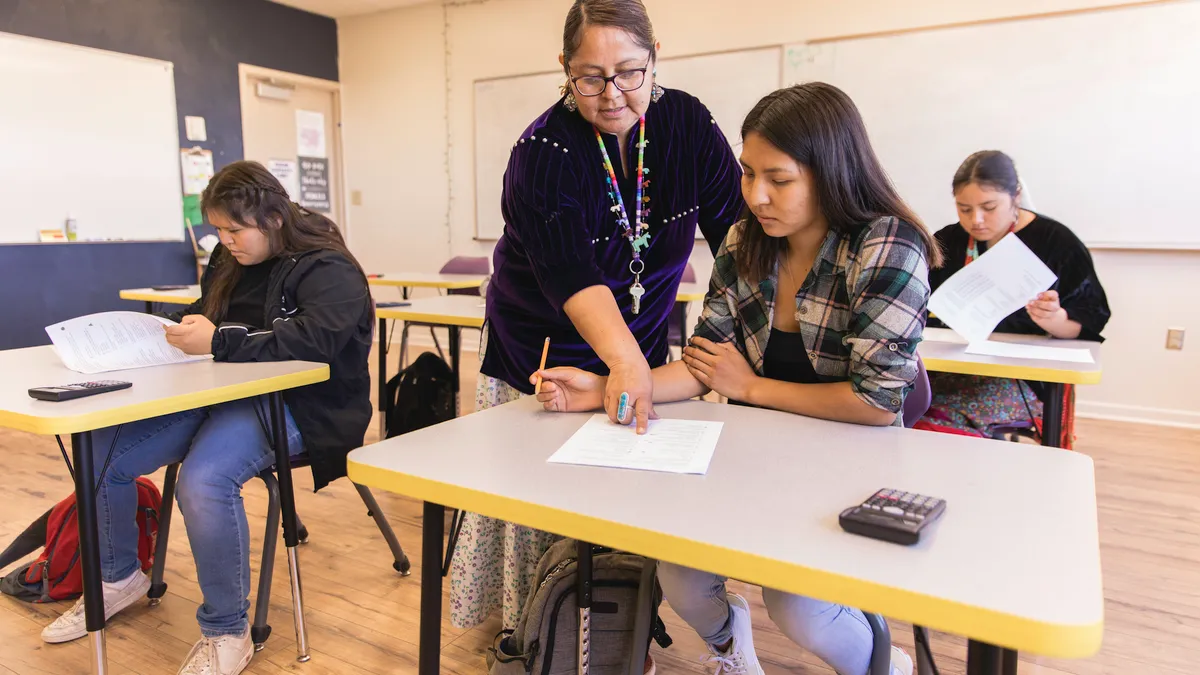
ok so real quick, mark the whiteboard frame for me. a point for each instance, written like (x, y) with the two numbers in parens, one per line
(475, 126)
(170, 67)
(1092, 246)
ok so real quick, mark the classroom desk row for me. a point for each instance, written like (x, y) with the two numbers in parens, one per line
(453, 312)
(1008, 574)
(941, 350)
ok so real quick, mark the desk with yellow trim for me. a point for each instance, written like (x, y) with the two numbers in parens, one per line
(1013, 564)
(182, 296)
(406, 281)
(944, 351)
(156, 391)
(454, 312)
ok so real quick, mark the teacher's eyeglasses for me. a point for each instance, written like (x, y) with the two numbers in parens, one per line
(594, 85)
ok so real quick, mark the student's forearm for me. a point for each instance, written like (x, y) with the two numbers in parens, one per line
(673, 382)
(596, 316)
(1064, 329)
(831, 401)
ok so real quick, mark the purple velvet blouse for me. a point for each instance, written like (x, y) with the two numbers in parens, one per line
(561, 236)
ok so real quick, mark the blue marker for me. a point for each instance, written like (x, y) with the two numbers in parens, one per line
(622, 407)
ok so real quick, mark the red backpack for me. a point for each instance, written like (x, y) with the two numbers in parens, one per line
(57, 574)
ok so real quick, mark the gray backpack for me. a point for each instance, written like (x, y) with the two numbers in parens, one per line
(625, 600)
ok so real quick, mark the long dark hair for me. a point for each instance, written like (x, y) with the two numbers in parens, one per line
(246, 193)
(628, 15)
(818, 125)
(989, 168)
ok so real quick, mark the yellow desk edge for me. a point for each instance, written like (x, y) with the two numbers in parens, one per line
(449, 285)
(1059, 375)
(107, 418)
(156, 296)
(1062, 641)
(403, 314)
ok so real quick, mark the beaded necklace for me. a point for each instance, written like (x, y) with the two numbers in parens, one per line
(636, 233)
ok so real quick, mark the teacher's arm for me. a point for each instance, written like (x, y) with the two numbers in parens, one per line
(543, 203)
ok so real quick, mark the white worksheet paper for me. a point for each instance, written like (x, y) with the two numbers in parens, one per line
(1018, 351)
(978, 297)
(672, 446)
(98, 343)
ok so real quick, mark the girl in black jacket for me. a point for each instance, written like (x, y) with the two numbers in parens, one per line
(281, 286)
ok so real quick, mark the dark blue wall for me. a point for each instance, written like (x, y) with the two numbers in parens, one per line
(41, 284)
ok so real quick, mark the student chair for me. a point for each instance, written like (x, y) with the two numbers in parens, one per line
(677, 320)
(456, 265)
(260, 630)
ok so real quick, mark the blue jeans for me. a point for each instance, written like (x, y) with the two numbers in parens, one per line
(221, 448)
(840, 636)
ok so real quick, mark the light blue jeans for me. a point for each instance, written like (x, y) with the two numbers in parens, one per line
(221, 447)
(840, 636)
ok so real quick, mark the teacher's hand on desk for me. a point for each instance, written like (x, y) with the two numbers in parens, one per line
(193, 335)
(575, 390)
(636, 380)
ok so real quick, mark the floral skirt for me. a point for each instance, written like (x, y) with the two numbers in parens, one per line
(494, 562)
(979, 406)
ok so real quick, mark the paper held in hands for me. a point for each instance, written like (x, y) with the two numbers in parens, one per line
(98, 343)
(672, 446)
(978, 297)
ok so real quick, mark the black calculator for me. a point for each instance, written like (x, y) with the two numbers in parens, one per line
(67, 392)
(893, 515)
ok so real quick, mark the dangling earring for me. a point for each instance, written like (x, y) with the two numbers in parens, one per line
(656, 92)
(569, 102)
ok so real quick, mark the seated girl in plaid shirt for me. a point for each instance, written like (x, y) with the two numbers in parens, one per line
(823, 226)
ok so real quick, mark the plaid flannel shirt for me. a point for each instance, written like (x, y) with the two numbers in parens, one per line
(861, 309)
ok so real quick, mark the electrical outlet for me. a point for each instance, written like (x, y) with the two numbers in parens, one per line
(1174, 338)
(356, 197)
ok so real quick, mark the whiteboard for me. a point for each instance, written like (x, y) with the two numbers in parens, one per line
(729, 83)
(91, 134)
(1099, 111)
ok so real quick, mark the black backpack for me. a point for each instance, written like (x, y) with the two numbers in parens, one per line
(421, 395)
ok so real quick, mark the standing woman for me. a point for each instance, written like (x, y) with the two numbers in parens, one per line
(602, 197)
(987, 193)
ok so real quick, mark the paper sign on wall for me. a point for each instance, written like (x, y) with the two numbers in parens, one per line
(285, 171)
(314, 184)
(310, 133)
(197, 170)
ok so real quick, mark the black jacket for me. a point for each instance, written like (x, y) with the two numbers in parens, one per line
(318, 309)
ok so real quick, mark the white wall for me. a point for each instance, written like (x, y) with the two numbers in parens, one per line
(397, 74)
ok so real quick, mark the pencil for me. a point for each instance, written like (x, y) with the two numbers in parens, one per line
(537, 388)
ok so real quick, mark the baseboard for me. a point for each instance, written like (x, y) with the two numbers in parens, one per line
(1117, 412)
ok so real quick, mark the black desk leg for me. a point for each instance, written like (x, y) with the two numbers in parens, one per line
(89, 547)
(385, 406)
(433, 525)
(985, 659)
(1052, 414)
(455, 363)
(149, 307)
(287, 509)
(583, 597)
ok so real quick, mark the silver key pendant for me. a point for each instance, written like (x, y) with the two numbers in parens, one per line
(636, 291)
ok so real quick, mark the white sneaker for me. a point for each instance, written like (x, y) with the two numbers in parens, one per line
(901, 662)
(225, 655)
(118, 595)
(740, 659)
